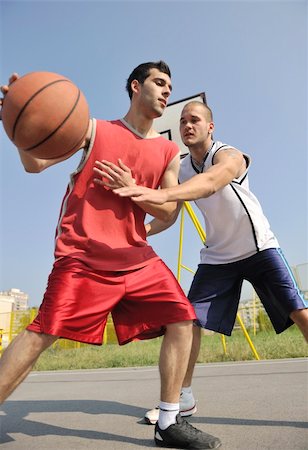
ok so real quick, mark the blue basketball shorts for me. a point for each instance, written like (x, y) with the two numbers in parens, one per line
(216, 289)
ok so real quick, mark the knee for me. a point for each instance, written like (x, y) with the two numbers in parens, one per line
(300, 316)
(184, 328)
(38, 341)
(197, 332)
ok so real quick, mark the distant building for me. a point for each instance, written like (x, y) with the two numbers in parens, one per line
(20, 299)
(6, 308)
(249, 311)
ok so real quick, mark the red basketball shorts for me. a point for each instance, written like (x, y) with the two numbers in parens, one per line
(78, 300)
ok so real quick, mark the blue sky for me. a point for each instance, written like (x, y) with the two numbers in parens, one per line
(249, 57)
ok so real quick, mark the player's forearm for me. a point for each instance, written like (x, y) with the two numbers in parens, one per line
(163, 212)
(157, 226)
(200, 186)
(34, 165)
(37, 165)
(206, 184)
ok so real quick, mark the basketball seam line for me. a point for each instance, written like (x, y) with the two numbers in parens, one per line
(30, 100)
(72, 148)
(58, 127)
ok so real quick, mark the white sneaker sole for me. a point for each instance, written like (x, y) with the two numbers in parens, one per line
(189, 412)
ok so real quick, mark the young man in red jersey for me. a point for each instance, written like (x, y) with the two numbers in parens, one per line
(104, 264)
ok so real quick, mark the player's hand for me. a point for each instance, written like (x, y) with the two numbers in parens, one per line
(143, 194)
(5, 88)
(113, 176)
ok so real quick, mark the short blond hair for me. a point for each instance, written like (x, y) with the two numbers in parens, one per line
(207, 110)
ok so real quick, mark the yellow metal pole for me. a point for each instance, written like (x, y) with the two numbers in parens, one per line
(180, 245)
(105, 335)
(187, 268)
(223, 341)
(195, 221)
(12, 314)
(254, 314)
(254, 351)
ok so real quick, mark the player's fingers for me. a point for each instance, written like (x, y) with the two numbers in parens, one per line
(112, 173)
(123, 166)
(103, 183)
(97, 181)
(139, 200)
(105, 163)
(103, 174)
(13, 77)
(111, 168)
(127, 193)
(4, 89)
(100, 171)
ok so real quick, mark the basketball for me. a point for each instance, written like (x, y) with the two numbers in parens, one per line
(45, 114)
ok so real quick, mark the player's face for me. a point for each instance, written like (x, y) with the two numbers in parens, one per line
(154, 93)
(194, 127)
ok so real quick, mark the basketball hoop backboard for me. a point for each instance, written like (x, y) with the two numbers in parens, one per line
(168, 124)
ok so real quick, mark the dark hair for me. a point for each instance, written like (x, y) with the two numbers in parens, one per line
(141, 72)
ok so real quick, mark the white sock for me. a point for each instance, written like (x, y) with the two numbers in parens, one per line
(167, 414)
(187, 390)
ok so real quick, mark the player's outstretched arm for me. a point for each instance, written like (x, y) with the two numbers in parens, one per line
(120, 177)
(228, 165)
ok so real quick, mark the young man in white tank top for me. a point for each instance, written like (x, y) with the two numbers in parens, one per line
(239, 246)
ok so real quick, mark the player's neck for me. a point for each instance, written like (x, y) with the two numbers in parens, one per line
(199, 151)
(141, 124)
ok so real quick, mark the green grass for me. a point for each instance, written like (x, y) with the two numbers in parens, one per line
(289, 344)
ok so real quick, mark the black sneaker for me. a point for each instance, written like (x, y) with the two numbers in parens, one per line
(183, 435)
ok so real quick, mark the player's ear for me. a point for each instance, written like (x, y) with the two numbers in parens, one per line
(211, 127)
(135, 85)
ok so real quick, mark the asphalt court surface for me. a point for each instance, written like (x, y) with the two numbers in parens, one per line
(253, 405)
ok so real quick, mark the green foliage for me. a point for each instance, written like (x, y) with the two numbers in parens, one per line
(135, 354)
(264, 321)
(289, 344)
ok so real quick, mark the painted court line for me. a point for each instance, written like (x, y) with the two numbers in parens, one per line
(155, 368)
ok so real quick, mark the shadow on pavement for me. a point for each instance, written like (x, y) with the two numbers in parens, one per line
(14, 419)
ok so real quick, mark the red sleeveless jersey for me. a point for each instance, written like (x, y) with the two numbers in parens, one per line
(98, 227)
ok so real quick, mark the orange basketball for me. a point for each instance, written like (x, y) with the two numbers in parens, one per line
(45, 114)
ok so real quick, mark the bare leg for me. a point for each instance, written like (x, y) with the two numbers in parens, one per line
(300, 317)
(19, 358)
(173, 361)
(193, 356)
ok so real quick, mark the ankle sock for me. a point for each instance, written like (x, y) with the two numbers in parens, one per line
(186, 390)
(167, 414)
